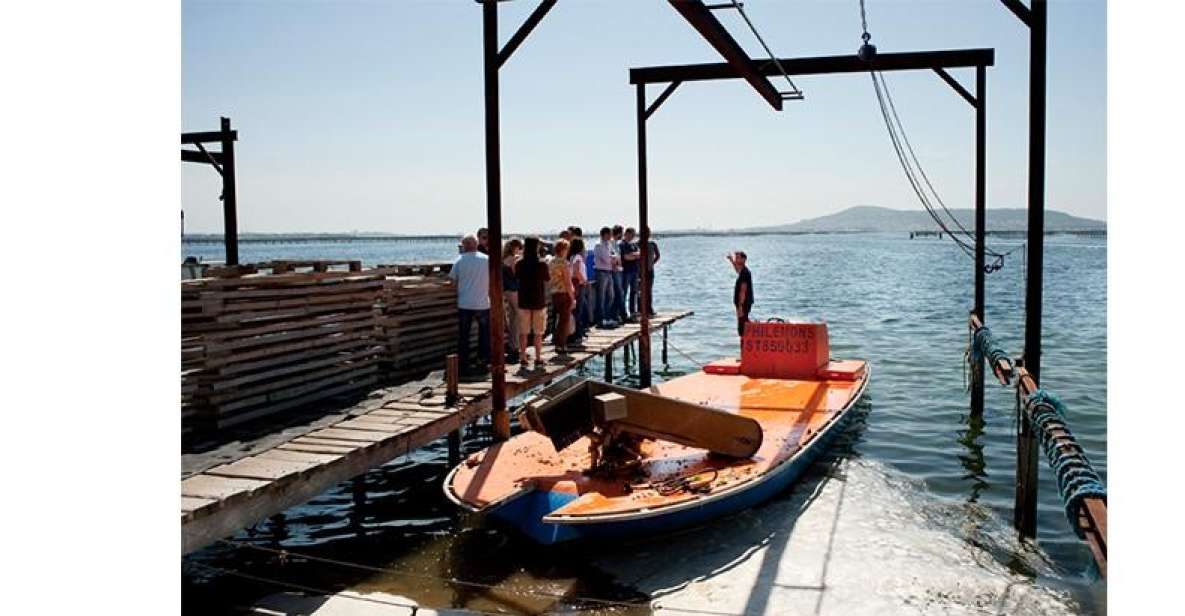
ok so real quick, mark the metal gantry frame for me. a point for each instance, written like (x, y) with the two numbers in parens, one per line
(937, 61)
(224, 163)
(740, 65)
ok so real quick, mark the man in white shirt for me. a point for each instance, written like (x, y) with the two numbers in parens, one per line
(604, 258)
(471, 274)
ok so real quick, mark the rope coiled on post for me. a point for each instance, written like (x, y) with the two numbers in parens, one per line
(984, 345)
(1076, 477)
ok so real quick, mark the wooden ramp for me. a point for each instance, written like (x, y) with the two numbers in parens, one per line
(220, 501)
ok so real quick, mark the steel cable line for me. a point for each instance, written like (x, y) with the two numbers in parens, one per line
(905, 139)
(909, 174)
(795, 92)
(901, 146)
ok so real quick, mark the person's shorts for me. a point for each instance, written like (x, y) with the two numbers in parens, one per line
(531, 320)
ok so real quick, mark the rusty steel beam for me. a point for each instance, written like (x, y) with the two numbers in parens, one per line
(927, 60)
(499, 414)
(1021, 11)
(209, 136)
(701, 18)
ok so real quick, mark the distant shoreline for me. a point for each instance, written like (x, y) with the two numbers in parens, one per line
(290, 238)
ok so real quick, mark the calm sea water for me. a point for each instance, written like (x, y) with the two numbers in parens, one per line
(900, 303)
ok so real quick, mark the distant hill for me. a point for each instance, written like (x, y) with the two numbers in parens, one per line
(864, 218)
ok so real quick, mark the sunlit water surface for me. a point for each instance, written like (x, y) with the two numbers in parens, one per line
(900, 303)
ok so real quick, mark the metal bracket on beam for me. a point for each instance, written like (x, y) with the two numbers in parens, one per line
(958, 87)
(521, 35)
(194, 156)
(670, 89)
(210, 159)
(1019, 9)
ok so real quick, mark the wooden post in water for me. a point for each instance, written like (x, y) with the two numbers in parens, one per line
(452, 376)
(609, 366)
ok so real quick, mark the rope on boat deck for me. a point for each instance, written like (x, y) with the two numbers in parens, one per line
(1076, 477)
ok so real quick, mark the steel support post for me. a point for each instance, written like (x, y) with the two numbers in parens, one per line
(499, 413)
(644, 229)
(230, 202)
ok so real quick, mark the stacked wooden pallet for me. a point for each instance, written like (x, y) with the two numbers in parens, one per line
(262, 344)
(418, 315)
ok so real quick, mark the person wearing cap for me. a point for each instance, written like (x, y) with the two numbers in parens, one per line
(742, 291)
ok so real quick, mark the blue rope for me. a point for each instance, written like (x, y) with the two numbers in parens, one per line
(983, 344)
(1076, 478)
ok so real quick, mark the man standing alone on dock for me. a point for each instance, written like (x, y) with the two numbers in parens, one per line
(742, 291)
(471, 274)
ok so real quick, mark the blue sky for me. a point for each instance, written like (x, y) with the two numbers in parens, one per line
(368, 115)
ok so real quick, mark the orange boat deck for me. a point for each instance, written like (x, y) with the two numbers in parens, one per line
(791, 413)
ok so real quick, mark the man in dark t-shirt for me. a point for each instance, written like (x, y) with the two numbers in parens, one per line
(742, 291)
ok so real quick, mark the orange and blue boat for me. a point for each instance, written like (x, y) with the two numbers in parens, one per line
(600, 460)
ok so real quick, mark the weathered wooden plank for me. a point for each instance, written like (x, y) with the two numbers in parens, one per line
(261, 468)
(193, 503)
(219, 488)
(237, 418)
(329, 442)
(311, 448)
(298, 456)
(369, 426)
(368, 436)
(403, 405)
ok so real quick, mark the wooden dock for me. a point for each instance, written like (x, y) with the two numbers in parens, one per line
(219, 501)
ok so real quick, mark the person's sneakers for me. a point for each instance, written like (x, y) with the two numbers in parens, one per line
(512, 357)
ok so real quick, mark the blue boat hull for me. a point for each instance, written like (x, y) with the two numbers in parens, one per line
(526, 512)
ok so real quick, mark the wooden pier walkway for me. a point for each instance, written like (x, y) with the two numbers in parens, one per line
(219, 501)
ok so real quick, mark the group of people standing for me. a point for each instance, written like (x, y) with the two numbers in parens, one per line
(563, 287)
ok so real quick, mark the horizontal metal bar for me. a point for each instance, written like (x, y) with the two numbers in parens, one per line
(1019, 9)
(208, 136)
(954, 58)
(954, 83)
(724, 5)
